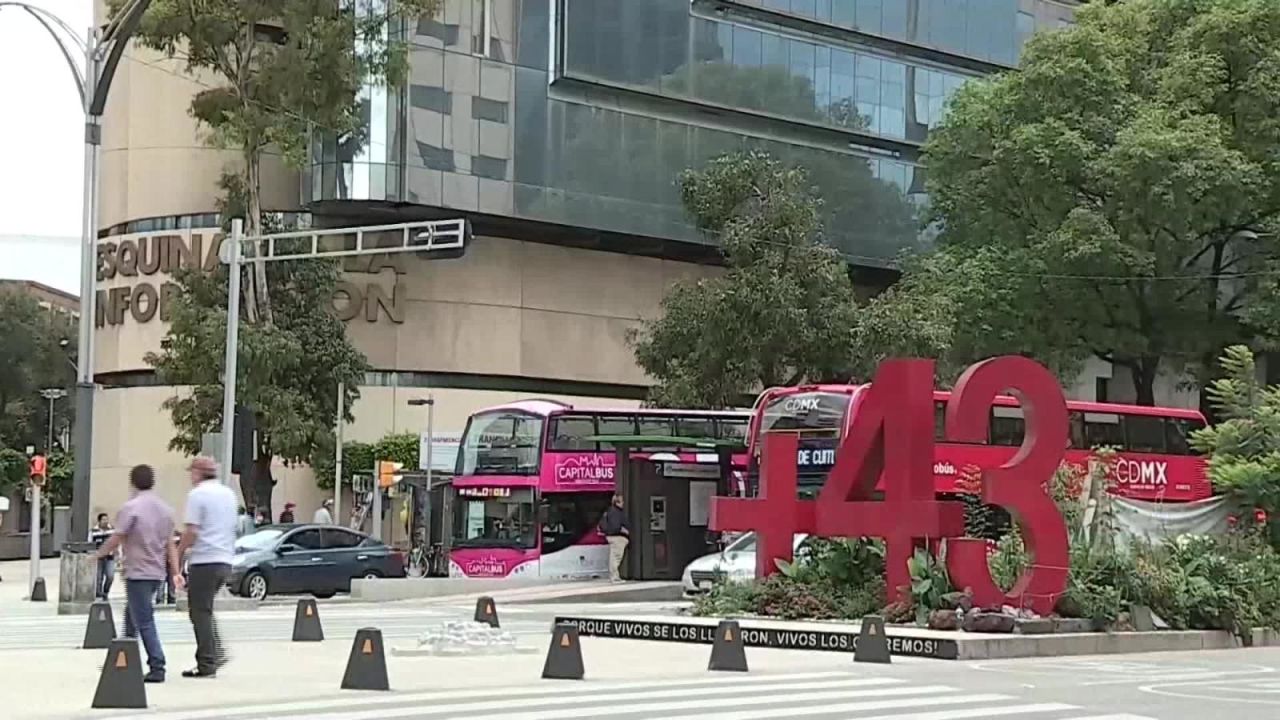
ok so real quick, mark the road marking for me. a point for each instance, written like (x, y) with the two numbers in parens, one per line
(534, 692)
(1114, 716)
(981, 712)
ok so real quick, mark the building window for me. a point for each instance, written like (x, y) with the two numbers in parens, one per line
(491, 110)
(481, 33)
(488, 167)
(436, 158)
(431, 98)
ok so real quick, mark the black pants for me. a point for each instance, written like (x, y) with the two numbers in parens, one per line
(202, 586)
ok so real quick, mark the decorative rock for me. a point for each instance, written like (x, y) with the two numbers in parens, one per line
(1073, 625)
(1033, 626)
(944, 620)
(988, 622)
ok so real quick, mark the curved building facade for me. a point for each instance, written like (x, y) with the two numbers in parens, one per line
(559, 128)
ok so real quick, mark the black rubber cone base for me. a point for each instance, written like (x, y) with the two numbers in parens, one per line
(306, 622)
(873, 644)
(101, 628)
(564, 657)
(367, 664)
(120, 685)
(728, 652)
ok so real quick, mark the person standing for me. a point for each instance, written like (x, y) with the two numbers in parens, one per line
(244, 523)
(324, 516)
(618, 532)
(107, 564)
(210, 535)
(286, 517)
(144, 527)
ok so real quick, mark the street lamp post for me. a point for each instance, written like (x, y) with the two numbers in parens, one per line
(103, 51)
(430, 402)
(52, 395)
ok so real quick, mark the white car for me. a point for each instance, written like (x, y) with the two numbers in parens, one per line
(737, 562)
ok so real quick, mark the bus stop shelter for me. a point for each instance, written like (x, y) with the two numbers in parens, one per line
(668, 499)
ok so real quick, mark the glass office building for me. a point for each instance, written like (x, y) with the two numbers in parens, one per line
(575, 118)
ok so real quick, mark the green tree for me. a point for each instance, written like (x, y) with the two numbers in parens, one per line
(1244, 446)
(1118, 196)
(289, 370)
(358, 458)
(32, 358)
(279, 71)
(781, 313)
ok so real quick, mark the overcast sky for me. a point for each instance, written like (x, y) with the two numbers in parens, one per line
(41, 155)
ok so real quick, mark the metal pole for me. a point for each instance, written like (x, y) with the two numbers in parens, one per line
(375, 525)
(48, 448)
(35, 538)
(337, 455)
(80, 484)
(233, 331)
(431, 437)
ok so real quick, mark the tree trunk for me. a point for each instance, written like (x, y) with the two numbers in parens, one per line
(262, 483)
(258, 297)
(1144, 373)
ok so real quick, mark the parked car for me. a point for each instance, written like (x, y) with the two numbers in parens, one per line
(736, 562)
(317, 559)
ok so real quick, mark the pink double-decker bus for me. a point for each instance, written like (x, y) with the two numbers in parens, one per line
(1154, 459)
(534, 477)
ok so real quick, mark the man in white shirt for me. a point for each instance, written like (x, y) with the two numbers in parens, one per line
(210, 535)
(324, 516)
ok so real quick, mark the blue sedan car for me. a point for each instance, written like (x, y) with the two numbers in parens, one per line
(318, 559)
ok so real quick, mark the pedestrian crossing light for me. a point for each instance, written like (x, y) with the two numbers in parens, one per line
(39, 470)
(387, 473)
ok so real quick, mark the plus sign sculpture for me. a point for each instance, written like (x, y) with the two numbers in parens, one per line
(888, 436)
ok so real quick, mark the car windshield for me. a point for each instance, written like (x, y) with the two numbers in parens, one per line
(259, 540)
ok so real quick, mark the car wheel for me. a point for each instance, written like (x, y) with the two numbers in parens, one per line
(371, 575)
(255, 586)
(325, 594)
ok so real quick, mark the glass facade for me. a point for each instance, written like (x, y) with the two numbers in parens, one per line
(584, 112)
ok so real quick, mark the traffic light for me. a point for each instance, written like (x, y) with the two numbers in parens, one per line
(39, 470)
(387, 473)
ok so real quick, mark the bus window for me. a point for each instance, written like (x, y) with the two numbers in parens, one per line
(656, 426)
(615, 425)
(1144, 433)
(501, 443)
(1103, 430)
(1007, 426)
(1177, 435)
(1075, 427)
(498, 522)
(939, 421)
(694, 427)
(569, 432)
(569, 517)
(730, 429)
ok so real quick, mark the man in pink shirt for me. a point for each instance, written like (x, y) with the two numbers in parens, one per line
(144, 528)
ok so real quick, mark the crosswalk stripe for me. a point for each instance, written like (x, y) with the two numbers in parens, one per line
(741, 682)
(588, 704)
(981, 712)
(689, 703)
(1113, 716)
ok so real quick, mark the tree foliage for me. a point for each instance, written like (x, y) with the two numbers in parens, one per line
(289, 371)
(782, 312)
(283, 70)
(1116, 197)
(33, 358)
(359, 458)
(1244, 446)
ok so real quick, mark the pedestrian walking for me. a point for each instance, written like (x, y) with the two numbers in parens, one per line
(286, 517)
(144, 527)
(210, 535)
(324, 516)
(617, 531)
(107, 564)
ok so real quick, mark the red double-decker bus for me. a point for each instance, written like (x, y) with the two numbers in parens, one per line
(1154, 458)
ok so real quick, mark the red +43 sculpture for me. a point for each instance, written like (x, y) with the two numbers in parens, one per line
(889, 434)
